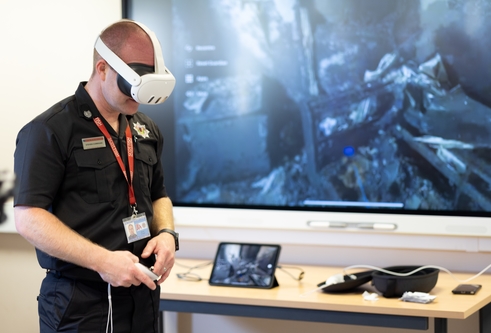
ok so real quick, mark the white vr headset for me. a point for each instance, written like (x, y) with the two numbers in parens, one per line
(145, 84)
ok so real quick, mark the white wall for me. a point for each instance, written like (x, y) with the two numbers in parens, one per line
(46, 51)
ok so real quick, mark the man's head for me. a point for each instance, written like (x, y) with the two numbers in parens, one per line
(126, 57)
(122, 38)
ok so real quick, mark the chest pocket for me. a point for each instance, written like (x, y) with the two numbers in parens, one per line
(145, 160)
(96, 176)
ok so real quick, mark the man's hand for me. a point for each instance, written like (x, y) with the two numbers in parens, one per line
(163, 246)
(46, 232)
(119, 270)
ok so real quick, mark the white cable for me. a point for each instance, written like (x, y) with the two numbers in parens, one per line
(335, 279)
(109, 310)
(417, 270)
(313, 290)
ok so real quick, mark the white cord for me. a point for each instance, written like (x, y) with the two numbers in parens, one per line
(109, 310)
(314, 290)
(335, 278)
(417, 270)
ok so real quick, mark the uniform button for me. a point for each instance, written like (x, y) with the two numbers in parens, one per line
(99, 162)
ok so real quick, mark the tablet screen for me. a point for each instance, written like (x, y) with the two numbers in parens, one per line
(245, 265)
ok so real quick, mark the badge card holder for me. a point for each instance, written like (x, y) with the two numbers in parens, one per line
(136, 227)
(245, 265)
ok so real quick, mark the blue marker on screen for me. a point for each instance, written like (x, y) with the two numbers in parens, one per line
(348, 151)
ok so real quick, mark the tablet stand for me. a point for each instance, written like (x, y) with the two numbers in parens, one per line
(275, 283)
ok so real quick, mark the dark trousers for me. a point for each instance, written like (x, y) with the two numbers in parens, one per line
(74, 306)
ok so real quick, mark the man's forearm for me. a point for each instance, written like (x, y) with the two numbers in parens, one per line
(163, 217)
(47, 233)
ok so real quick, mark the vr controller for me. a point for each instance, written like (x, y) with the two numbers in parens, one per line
(147, 271)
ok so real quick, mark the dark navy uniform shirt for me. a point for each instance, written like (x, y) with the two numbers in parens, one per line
(85, 188)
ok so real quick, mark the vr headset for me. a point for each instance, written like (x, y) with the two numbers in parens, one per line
(422, 280)
(145, 84)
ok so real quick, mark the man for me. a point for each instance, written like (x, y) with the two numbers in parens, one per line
(77, 191)
(131, 232)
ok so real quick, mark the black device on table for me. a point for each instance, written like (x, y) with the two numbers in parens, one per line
(466, 289)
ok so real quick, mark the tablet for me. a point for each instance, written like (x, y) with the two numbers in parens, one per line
(245, 265)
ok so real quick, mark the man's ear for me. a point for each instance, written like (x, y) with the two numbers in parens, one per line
(101, 68)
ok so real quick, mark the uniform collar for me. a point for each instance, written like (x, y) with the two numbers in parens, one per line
(86, 107)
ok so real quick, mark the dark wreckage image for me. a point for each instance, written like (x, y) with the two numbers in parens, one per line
(318, 103)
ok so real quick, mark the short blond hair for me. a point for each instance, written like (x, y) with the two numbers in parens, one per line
(115, 37)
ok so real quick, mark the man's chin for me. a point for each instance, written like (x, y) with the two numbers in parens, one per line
(131, 106)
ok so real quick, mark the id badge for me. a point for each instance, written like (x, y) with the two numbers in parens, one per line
(136, 227)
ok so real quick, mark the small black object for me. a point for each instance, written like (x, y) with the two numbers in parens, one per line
(395, 286)
(349, 283)
(466, 289)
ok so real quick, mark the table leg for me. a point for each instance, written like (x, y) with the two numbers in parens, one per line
(161, 322)
(441, 325)
(485, 319)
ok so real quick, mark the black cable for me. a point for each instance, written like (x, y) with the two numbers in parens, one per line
(297, 278)
(189, 275)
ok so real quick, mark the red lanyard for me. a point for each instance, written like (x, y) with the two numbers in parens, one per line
(131, 159)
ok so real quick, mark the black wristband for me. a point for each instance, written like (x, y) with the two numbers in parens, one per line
(173, 233)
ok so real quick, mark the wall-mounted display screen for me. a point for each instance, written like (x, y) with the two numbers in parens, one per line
(377, 106)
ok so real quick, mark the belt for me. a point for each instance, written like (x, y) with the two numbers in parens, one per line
(77, 277)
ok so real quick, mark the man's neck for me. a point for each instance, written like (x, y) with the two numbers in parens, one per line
(112, 120)
(110, 116)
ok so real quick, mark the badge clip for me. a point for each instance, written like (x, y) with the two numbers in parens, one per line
(135, 211)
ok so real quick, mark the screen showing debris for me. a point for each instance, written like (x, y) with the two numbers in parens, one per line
(346, 105)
